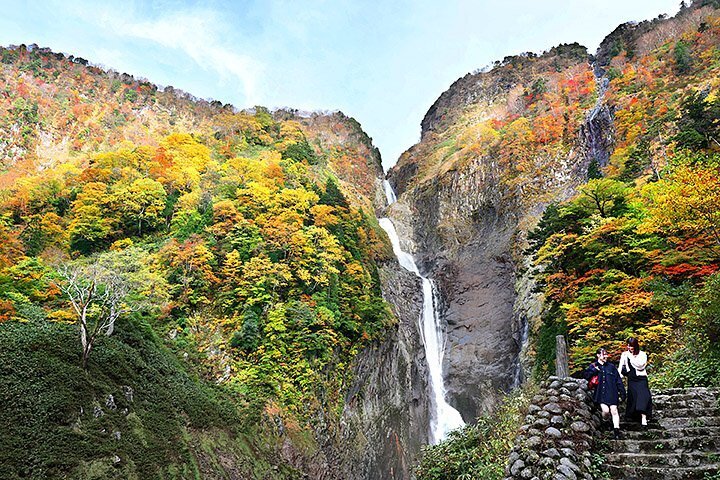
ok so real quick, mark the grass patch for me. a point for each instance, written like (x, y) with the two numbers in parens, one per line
(480, 450)
(58, 421)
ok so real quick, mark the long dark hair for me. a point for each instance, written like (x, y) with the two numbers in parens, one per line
(633, 342)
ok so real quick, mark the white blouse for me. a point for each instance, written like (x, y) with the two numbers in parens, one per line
(639, 362)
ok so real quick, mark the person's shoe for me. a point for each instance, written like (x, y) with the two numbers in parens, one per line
(616, 434)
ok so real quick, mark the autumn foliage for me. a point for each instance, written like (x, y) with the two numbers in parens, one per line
(249, 223)
(634, 253)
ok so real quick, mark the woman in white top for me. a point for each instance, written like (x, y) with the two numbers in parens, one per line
(633, 363)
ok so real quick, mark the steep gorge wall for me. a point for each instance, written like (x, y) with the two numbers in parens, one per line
(385, 422)
(496, 149)
(470, 213)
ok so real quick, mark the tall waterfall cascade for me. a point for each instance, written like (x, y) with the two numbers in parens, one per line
(444, 417)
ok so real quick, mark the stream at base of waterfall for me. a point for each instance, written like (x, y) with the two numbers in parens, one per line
(444, 417)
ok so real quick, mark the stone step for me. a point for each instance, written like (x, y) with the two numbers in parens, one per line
(683, 422)
(673, 423)
(668, 459)
(634, 472)
(672, 412)
(690, 391)
(681, 443)
(686, 403)
(657, 433)
(684, 444)
(685, 394)
(679, 397)
(632, 426)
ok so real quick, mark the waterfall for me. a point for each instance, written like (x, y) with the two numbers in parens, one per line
(444, 417)
(598, 138)
(389, 193)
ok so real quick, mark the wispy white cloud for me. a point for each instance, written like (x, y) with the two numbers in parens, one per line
(195, 32)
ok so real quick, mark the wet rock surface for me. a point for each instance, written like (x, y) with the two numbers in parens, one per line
(467, 224)
(466, 234)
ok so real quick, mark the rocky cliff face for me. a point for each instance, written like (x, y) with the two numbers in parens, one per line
(496, 149)
(385, 422)
(471, 200)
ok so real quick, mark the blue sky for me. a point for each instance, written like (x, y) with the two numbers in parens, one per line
(382, 62)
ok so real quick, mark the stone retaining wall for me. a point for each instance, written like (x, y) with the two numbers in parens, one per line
(556, 440)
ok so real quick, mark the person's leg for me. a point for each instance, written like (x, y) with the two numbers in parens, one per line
(615, 416)
(616, 421)
(605, 411)
(643, 419)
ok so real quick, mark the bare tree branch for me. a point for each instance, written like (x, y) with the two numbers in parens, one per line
(97, 295)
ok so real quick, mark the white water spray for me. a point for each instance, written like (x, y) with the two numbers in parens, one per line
(444, 417)
(389, 193)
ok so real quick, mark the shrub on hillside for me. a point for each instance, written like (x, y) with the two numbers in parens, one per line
(479, 450)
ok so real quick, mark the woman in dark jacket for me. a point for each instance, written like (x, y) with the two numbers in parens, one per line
(609, 389)
(639, 400)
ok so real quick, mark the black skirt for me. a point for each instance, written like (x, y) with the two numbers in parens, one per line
(639, 400)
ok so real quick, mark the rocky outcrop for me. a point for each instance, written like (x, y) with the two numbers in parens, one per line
(479, 87)
(474, 272)
(464, 209)
(467, 234)
(638, 38)
(470, 213)
(385, 422)
(464, 213)
(597, 133)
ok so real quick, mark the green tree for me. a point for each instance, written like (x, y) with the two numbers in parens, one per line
(248, 338)
(332, 195)
(603, 195)
(699, 123)
(301, 151)
(682, 57)
(594, 170)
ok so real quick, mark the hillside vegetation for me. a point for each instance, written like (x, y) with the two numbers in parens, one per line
(637, 251)
(629, 239)
(220, 264)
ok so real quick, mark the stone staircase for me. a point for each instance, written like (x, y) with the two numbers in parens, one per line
(682, 441)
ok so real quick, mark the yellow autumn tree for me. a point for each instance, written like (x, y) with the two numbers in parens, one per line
(686, 200)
